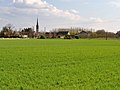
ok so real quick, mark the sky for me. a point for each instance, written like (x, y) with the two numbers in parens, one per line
(96, 14)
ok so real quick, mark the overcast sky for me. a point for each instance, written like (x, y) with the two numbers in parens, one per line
(97, 14)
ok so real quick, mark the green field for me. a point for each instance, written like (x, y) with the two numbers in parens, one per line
(59, 64)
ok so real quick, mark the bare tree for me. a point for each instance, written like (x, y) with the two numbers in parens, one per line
(7, 30)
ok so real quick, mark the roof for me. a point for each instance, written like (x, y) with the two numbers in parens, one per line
(83, 32)
(62, 32)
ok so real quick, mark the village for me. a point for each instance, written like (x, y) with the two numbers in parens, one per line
(63, 33)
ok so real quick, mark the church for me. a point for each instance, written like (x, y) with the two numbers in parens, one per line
(37, 26)
(37, 33)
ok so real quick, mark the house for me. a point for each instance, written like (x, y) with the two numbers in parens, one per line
(48, 35)
(24, 36)
(83, 34)
(54, 34)
(61, 34)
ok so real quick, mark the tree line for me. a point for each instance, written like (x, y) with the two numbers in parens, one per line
(9, 31)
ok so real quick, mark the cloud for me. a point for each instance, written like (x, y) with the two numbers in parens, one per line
(85, 3)
(74, 11)
(66, 0)
(3, 20)
(43, 5)
(115, 3)
(5, 10)
(96, 20)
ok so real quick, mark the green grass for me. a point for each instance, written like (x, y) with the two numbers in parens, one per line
(59, 64)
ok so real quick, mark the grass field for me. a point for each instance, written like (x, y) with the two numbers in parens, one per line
(59, 65)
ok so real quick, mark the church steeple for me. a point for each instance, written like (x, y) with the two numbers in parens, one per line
(37, 26)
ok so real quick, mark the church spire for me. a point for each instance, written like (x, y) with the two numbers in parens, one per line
(37, 26)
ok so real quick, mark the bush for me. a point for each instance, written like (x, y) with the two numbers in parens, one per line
(77, 37)
(42, 37)
(67, 37)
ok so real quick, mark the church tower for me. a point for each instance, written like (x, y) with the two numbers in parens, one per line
(37, 26)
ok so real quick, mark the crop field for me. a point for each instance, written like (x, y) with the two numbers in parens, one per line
(30, 64)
